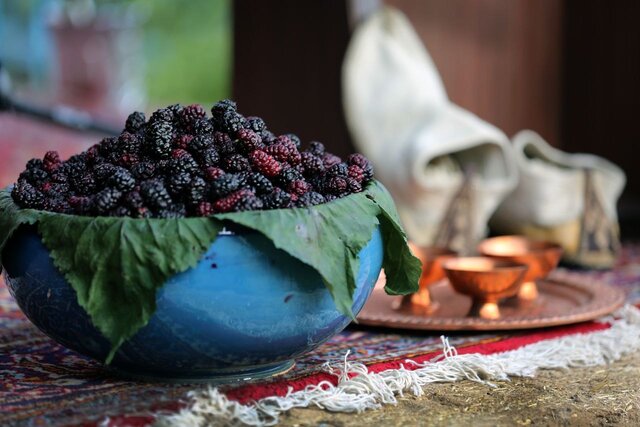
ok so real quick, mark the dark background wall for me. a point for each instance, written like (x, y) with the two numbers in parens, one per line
(287, 66)
(568, 69)
(499, 59)
(601, 83)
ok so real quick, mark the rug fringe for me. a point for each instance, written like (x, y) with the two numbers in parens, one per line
(359, 390)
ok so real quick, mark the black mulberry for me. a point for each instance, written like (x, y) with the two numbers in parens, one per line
(200, 143)
(178, 183)
(202, 127)
(189, 115)
(316, 148)
(122, 180)
(159, 137)
(196, 191)
(51, 161)
(336, 185)
(134, 122)
(133, 200)
(288, 175)
(312, 164)
(256, 124)
(232, 122)
(330, 160)
(260, 183)
(340, 169)
(310, 199)
(143, 170)
(221, 107)
(225, 185)
(209, 157)
(162, 115)
(236, 163)
(103, 172)
(106, 200)
(295, 139)
(27, 196)
(249, 203)
(277, 199)
(155, 194)
(175, 211)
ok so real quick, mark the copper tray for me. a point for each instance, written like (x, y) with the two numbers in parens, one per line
(565, 298)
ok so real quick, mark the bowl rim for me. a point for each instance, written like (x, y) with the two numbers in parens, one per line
(497, 265)
(431, 252)
(533, 246)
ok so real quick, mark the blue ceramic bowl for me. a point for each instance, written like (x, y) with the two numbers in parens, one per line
(247, 310)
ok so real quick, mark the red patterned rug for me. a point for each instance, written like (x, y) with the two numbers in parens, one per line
(42, 383)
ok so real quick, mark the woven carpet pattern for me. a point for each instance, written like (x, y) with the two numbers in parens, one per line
(42, 383)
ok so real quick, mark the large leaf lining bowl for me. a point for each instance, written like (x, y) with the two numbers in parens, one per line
(246, 310)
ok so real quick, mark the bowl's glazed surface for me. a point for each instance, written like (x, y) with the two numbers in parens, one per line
(246, 310)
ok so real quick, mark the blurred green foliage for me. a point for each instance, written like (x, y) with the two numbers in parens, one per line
(187, 44)
(188, 50)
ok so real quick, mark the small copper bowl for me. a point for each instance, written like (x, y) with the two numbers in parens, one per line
(486, 281)
(431, 258)
(541, 257)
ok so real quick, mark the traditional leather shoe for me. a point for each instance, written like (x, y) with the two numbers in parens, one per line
(566, 198)
(447, 169)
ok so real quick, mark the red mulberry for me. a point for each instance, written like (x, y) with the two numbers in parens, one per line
(265, 163)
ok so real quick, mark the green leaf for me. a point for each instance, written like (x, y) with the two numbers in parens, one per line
(116, 265)
(327, 237)
(402, 269)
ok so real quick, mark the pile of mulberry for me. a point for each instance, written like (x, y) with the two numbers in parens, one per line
(182, 163)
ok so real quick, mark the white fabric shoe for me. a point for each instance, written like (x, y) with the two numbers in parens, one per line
(422, 146)
(566, 198)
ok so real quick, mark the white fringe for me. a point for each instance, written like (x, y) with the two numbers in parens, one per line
(373, 390)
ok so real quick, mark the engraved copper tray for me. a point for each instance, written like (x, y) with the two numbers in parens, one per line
(565, 298)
